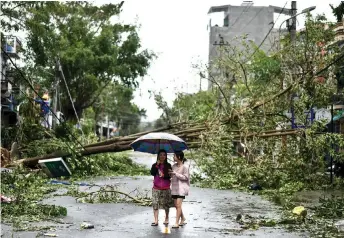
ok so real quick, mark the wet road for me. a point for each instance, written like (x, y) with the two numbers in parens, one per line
(209, 213)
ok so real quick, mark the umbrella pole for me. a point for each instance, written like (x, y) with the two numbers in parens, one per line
(158, 146)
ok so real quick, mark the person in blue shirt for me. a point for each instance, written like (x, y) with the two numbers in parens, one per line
(45, 104)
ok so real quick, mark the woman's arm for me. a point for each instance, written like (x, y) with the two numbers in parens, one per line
(184, 175)
(154, 170)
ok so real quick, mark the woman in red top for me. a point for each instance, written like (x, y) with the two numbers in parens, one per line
(161, 193)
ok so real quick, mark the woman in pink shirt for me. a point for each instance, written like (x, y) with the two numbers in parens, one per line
(180, 186)
(161, 193)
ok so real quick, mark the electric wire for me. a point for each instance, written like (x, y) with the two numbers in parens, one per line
(251, 20)
(33, 103)
(70, 98)
(266, 36)
(31, 86)
(244, 10)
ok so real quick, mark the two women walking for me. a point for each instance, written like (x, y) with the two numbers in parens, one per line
(162, 194)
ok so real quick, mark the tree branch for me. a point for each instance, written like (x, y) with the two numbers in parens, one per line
(213, 80)
(96, 97)
(243, 70)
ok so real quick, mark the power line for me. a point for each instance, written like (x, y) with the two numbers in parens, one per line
(247, 7)
(252, 19)
(329, 65)
(70, 97)
(31, 86)
(33, 103)
(266, 36)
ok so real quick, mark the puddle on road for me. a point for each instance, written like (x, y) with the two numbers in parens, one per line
(165, 229)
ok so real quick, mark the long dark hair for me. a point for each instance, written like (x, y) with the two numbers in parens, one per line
(180, 156)
(166, 167)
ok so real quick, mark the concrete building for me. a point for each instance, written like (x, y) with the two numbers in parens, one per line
(9, 90)
(255, 21)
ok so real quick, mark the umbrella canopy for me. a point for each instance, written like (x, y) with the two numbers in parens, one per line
(153, 142)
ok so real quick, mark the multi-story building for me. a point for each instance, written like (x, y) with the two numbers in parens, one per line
(8, 88)
(246, 19)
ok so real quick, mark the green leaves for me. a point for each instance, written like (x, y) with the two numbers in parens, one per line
(187, 107)
(26, 190)
(338, 11)
(331, 208)
(116, 103)
(93, 51)
(13, 14)
(266, 69)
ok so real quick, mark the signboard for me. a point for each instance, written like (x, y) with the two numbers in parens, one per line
(55, 167)
(12, 45)
(297, 122)
(323, 114)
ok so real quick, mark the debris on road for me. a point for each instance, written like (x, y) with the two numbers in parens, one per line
(110, 193)
(300, 211)
(255, 187)
(68, 183)
(340, 225)
(50, 235)
(6, 170)
(239, 217)
(86, 225)
(5, 199)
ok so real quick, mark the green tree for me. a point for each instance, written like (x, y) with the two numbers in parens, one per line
(13, 14)
(92, 50)
(338, 11)
(159, 123)
(116, 103)
(257, 93)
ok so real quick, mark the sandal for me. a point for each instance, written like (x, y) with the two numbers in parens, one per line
(165, 222)
(154, 224)
(182, 224)
(175, 226)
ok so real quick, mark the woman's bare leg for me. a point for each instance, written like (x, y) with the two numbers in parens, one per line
(182, 218)
(156, 215)
(167, 211)
(178, 204)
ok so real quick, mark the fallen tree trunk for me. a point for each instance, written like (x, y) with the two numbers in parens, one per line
(90, 151)
(122, 144)
(133, 137)
(116, 147)
(267, 135)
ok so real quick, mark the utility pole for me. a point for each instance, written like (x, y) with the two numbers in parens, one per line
(332, 144)
(108, 125)
(56, 84)
(293, 25)
(101, 124)
(200, 83)
(292, 30)
(221, 44)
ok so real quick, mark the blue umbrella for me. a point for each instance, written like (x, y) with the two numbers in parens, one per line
(153, 142)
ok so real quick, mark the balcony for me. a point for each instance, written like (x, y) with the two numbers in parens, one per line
(339, 29)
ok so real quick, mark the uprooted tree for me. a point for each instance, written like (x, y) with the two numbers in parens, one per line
(249, 105)
(96, 53)
(257, 92)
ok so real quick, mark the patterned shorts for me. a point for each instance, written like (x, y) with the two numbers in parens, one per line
(162, 199)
